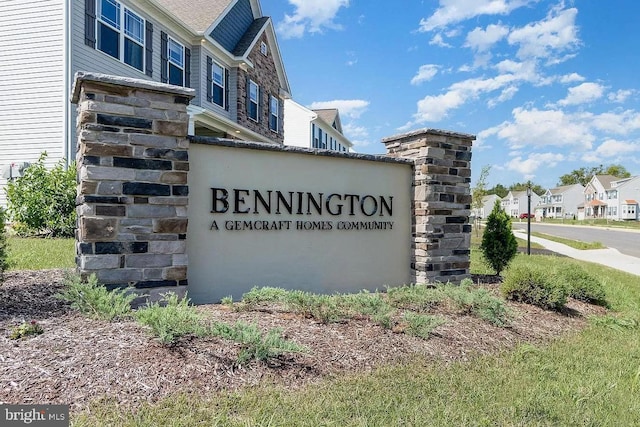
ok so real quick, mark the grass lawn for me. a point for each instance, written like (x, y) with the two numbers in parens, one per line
(40, 254)
(588, 379)
(572, 243)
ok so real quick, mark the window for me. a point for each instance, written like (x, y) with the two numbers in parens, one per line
(263, 48)
(175, 63)
(125, 44)
(253, 100)
(274, 117)
(217, 81)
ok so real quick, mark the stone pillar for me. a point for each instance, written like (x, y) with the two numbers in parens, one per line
(132, 159)
(441, 233)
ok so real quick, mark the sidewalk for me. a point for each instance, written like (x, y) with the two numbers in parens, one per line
(609, 257)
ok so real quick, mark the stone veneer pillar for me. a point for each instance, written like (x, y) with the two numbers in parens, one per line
(441, 233)
(132, 159)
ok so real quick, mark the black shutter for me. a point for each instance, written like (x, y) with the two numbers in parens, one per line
(260, 105)
(187, 67)
(226, 89)
(164, 60)
(248, 98)
(280, 115)
(148, 49)
(90, 23)
(209, 79)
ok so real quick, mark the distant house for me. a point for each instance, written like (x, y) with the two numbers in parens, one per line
(225, 49)
(314, 128)
(608, 197)
(487, 206)
(516, 203)
(560, 202)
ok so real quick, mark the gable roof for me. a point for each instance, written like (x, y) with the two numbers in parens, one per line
(563, 188)
(249, 37)
(197, 15)
(606, 180)
(331, 116)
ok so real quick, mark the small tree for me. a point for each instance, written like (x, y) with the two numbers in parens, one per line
(499, 245)
(43, 200)
(477, 194)
(4, 263)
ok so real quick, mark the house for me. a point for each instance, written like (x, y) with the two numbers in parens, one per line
(516, 203)
(560, 202)
(224, 49)
(611, 198)
(314, 128)
(487, 206)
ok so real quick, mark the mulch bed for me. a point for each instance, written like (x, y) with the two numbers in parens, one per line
(78, 360)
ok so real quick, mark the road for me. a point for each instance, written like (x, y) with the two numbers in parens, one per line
(627, 242)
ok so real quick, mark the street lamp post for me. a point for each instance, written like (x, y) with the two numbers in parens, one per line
(529, 218)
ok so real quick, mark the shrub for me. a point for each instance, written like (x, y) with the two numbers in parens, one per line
(418, 297)
(94, 300)
(477, 301)
(171, 319)
(535, 285)
(255, 345)
(324, 308)
(4, 262)
(499, 245)
(421, 325)
(582, 285)
(43, 201)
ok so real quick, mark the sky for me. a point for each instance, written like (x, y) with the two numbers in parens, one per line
(546, 87)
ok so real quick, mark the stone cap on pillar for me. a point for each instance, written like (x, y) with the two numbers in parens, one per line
(119, 81)
(428, 131)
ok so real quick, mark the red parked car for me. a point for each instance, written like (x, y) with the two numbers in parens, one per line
(526, 215)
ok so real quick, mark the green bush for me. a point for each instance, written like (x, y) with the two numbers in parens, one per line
(499, 245)
(421, 325)
(43, 201)
(582, 285)
(4, 256)
(255, 345)
(477, 301)
(534, 284)
(171, 319)
(418, 297)
(94, 300)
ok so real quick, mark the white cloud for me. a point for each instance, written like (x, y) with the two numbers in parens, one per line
(620, 96)
(352, 108)
(584, 93)
(358, 135)
(310, 16)
(537, 128)
(453, 11)
(425, 73)
(612, 148)
(543, 39)
(481, 40)
(571, 78)
(437, 40)
(529, 166)
(506, 94)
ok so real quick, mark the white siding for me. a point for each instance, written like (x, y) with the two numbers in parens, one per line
(32, 84)
(297, 124)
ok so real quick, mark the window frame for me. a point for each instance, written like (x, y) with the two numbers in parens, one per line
(170, 61)
(251, 101)
(274, 114)
(222, 86)
(123, 32)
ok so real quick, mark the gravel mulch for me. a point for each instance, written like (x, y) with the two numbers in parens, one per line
(78, 360)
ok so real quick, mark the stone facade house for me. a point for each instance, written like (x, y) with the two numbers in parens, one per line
(314, 128)
(224, 49)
